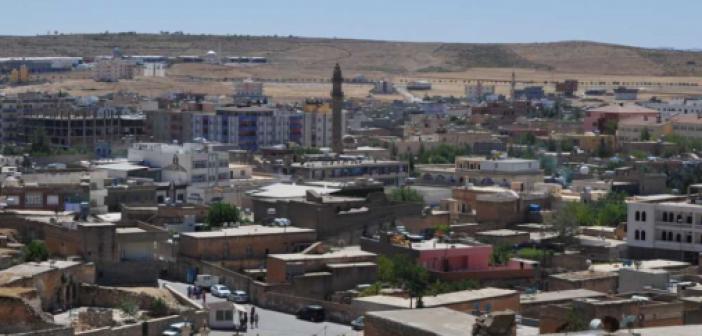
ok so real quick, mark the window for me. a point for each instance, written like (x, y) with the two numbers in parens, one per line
(636, 233)
(665, 216)
(678, 238)
(33, 200)
(643, 216)
(663, 236)
(637, 216)
(688, 239)
(670, 236)
(52, 200)
(643, 235)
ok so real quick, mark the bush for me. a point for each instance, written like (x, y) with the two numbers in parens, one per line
(533, 253)
(159, 308)
(36, 251)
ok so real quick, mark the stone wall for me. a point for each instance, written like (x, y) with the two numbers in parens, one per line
(153, 327)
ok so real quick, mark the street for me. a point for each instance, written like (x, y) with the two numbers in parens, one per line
(273, 323)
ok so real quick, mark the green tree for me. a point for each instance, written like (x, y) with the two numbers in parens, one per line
(405, 273)
(220, 213)
(500, 254)
(36, 251)
(406, 195)
(645, 134)
(566, 221)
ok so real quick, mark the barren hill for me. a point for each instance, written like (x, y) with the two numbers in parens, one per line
(292, 56)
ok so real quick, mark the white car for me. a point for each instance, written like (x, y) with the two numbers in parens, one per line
(178, 329)
(220, 291)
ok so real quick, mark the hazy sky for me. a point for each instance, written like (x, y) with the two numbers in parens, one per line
(648, 23)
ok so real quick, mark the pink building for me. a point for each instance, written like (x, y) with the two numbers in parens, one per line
(467, 261)
(597, 119)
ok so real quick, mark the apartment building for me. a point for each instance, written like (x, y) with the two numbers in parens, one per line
(687, 125)
(112, 70)
(675, 107)
(188, 163)
(631, 129)
(249, 127)
(317, 123)
(503, 172)
(665, 226)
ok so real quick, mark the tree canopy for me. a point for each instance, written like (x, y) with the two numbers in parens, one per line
(220, 213)
(406, 195)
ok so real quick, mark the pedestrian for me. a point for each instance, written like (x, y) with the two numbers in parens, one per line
(252, 320)
(255, 319)
(253, 310)
(190, 292)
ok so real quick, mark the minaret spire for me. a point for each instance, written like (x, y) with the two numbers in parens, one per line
(337, 96)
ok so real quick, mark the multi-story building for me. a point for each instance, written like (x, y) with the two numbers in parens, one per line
(676, 106)
(249, 127)
(687, 125)
(317, 123)
(503, 172)
(633, 128)
(112, 70)
(345, 169)
(248, 91)
(56, 191)
(665, 226)
(605, 119)
(67, 121)
(189, 163)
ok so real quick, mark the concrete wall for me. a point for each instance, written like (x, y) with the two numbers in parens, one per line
(604, 285)
(631, 280)
(153, 327)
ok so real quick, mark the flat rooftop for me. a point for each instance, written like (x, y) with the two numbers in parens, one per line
(346, 252)
(246, 230)
(441, 299)
(283, 190)
(556, 296)
(434, 244)
(130, 230)
(583, 275)
(31, 269)
(501, 233)
(122, 166)
(339, 164)
(435, 321)
(654, 264)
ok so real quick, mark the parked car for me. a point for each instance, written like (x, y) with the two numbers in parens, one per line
(238, 296)
(179, 329)
(314, 313)
(220, 291)
(358, 324)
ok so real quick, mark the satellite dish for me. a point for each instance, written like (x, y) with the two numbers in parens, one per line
(596, 324)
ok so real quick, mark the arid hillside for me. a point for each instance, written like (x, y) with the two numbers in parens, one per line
(313, 57)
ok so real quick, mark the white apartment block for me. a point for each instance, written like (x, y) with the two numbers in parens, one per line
(664, 225)
(189, 163)
(676, 107)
